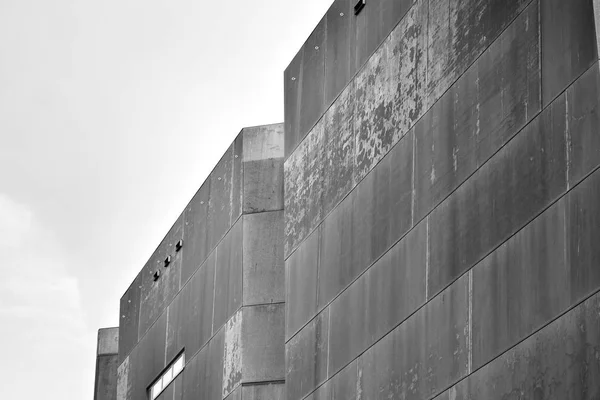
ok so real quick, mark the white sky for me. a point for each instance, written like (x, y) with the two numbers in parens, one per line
(112, 113)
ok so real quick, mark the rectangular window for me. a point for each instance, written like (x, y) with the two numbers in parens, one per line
(167, 376)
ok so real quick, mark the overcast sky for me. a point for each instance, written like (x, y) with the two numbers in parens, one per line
(112, 113)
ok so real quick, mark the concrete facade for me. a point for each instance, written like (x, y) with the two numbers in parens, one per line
(421, 226)
(107, 362)
(441, 199)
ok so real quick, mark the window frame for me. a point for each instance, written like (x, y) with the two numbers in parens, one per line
(167, 376)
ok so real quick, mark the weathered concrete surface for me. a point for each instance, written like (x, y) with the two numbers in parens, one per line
(236, 394)
(509, 190)
(263, 168)
(195, 235)
(106, 377)
(424, 354)
(301, 274)
(232, 354)
(306, 358)
(228, 276)
(570, 48)
(312, 99)
(263, 269)
(156, 295)
(190, 315)
(124, 383)
(272, 391)
(459, 31)
(263, 349)
(292, 95)
(489, 104)
(562, 361)
(108, 341)
(340, 48)
(220, 205)
(203, 374)
(129, 318)
(390, 89)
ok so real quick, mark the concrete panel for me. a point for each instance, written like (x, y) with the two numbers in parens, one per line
(520, 286)
(340, 48)
(263, 142)
(583, 120)
(459, 31)
(147, 360)
(484, 109)
(108, 341)
(336, 269)
(237, 181)
(301, 284)
(106, 377)
(236, 394)
(178, 388)
(338, 155)
(195, 236)
(220, 202)
(389, 90)
(129, 312)
(157, 294)
(424, 354)
(559, 362)
(270, 391)
(292, 93)
(583, 227)
(232, 354)
(263, 185)
(228, 276)
(306, 358)
(508, 191)
(304, 188)
(263, 168)
(263, 349)
(312, 101)
(569, 43)
(189, 324)
(263, 269)
(203, 374)
(124, 384)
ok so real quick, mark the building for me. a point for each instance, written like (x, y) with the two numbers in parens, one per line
(440, 160)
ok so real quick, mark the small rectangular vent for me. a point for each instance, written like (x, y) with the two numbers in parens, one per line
(359, 6)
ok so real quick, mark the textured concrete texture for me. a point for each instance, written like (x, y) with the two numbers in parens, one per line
(220, 297)
(450, 243)
(108, 341)
(107, 361)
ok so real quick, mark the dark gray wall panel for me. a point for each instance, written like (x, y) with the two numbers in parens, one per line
(338, 155)
(583, 100)
(292, 93)
(306, 358)
(336, 269)
(237, 180)
(569, 41)
(559, 362)
(459, 31)
(340, 48)
(106, 377)
(312, 99)
(228, 276)
(156, 295)
(189, 322)
(203, 374)
(263, 348)
(129, 320)
(518, 182)
(147, 360)
(301, 284)
(521, 286)
(272, 391)
(263, 269)
(583, 227)
(389, 90)
(220, 203)
(425, 354)
(490, 103)
(195, 233)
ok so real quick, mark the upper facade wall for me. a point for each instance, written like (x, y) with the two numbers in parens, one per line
(248, 179)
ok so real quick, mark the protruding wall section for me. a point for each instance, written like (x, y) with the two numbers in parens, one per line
(107, 361)
(219, 299)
